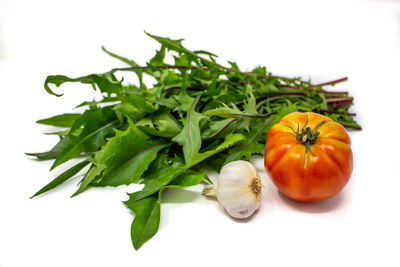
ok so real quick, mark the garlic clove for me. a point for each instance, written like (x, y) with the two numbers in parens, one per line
(238, 189)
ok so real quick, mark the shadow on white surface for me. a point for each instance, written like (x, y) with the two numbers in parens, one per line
(323, 206)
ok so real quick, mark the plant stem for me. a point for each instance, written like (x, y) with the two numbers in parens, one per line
(195, 68)
(333, 93)
(351, 126)
(331, 82)
(342, 100)
(337, 112)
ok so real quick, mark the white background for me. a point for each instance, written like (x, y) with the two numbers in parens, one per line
(323, 40)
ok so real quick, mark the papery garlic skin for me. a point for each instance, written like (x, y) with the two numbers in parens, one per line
(238, 189)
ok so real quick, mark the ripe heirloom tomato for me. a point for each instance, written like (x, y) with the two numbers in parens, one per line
(308, 156)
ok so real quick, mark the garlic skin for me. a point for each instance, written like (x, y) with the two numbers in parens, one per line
(238, 189)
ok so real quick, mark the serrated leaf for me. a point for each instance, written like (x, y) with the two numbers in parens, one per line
(63, 120)
(160, 124)
(225, 112)
(158, 58)
(250, 146)
(164, 176)
(244, 119)
(249, 104)
(140, 103)
(130, 171)
(130, 111)
(229, 141)
(266, 88)
(106, 82)
(190, 137)
(97, 125)
(176, 45)
(122, 160)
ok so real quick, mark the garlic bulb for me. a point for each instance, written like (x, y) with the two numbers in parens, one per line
(238, 189)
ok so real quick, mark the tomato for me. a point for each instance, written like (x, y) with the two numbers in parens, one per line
(308, 156)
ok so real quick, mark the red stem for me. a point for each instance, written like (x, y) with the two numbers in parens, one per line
(331, 82)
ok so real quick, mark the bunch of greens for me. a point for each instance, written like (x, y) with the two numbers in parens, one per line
(198, 114)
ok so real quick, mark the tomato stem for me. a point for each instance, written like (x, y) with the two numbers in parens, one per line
(306, 136)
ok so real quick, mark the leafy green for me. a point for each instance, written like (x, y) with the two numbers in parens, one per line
(54, 152)
(106, 82)
(160, 124)
(63, 120)
(216, 127)
(62, 178)
(190, 137)
(122, 160)
(164, 176)
(147, 219)
(251, 145)
(147, 210)
(196, 114)
(176, 45)
(99, 123)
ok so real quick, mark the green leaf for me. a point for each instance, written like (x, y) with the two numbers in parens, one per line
(106, 82)
(129, 111)
(164, 176)
(189, 178)
(141, 103)
(147, 211)
(62, 178)
(160, 124)
(130, 62)
(59, 133)
(102, 101)
(158, 59)
(131, 170)
(190, 137)
(266, 88)
(147, 219)
(249, 104)
(185, 102)
(63, 120)
(97, 125)
(122, 160)
(158, 180)
(54, 152)
(243, 119)
(245, 149)
(229, 141)
(216, 127)
(226, 112)
(203, 52)
(251, 146)
(176, 45)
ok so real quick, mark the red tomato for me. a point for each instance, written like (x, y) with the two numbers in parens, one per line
(308, 156)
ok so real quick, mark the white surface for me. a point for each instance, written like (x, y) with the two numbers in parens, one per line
(324, 39)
